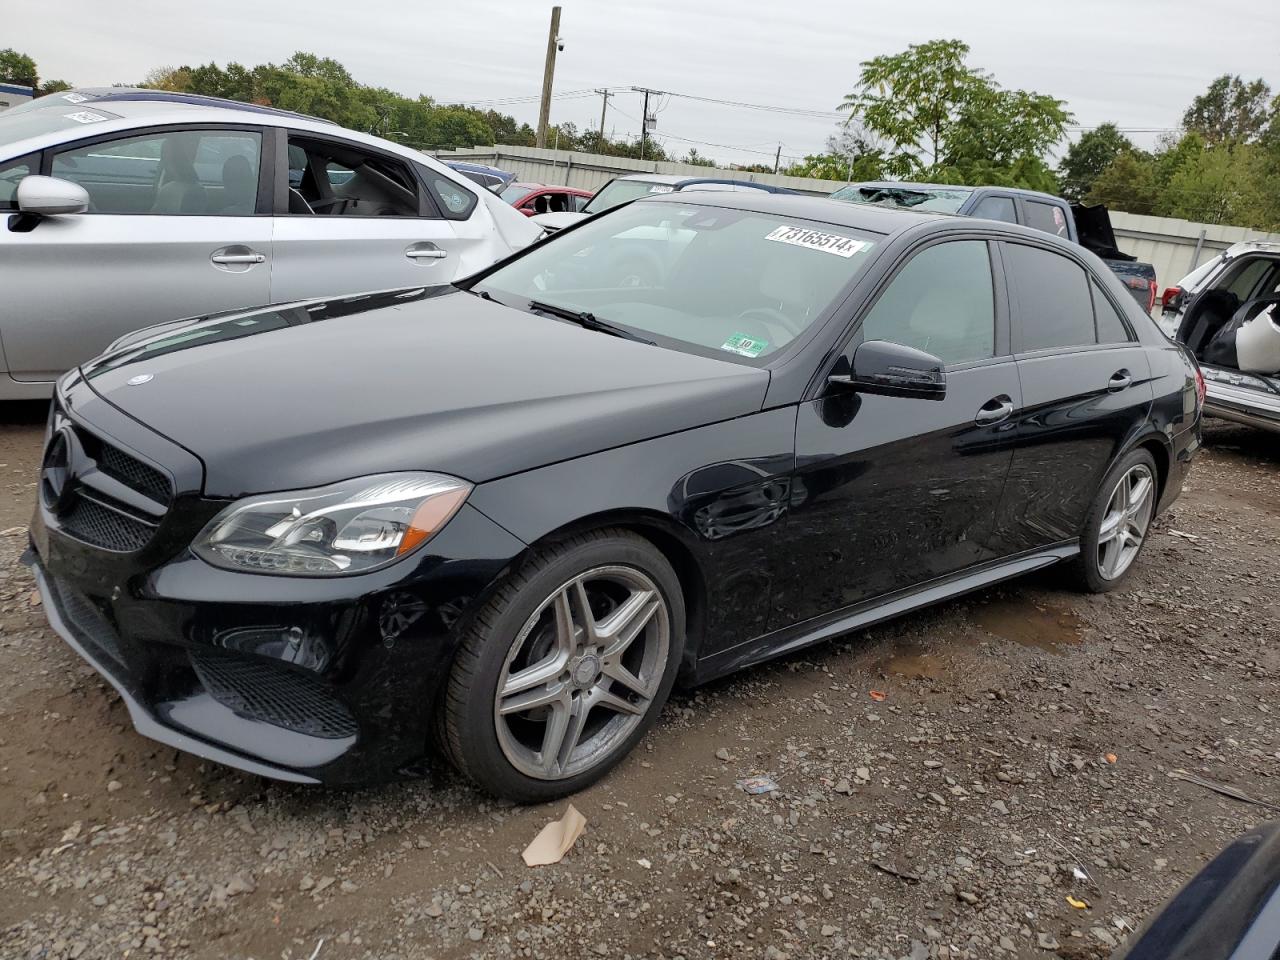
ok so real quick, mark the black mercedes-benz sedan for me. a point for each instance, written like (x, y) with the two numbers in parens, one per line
(498, 520)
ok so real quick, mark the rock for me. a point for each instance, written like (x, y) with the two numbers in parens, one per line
(434, 910)
(114, 785)
(968, 896)
(1047, 941)
(863, 774)
(999, 807)
(475, 934)
(240, 883)
(346, 886)
(844, 786)
(723, 754)
(1006, 943)
(932, 764)
(828, 930)
(1103, 934)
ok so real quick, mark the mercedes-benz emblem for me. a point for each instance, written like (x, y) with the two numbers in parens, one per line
(56, 469)
(140, 378)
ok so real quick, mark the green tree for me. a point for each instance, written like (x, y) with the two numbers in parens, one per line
(54, 86)
(18, 68)
(698, 160)
(1090, 155)
(1230, 111)
(912, 99)
(943, 119)
(1129, 183)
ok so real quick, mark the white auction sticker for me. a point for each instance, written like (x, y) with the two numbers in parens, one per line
(85, 116)
(74, 97)
(817, 240)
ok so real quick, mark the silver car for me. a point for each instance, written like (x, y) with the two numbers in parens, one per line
(125, 208)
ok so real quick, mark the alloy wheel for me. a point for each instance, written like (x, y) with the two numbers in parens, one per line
(1125, 522)
(582, 672)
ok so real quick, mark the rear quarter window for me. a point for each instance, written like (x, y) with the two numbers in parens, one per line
(454, 200)
(1048, 217)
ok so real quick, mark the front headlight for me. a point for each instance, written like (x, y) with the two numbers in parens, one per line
(348, 527)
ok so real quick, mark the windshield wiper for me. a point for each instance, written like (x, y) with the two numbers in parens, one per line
(587, 320)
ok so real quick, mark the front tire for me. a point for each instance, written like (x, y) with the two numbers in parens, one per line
(566, 668)
(1118, 523)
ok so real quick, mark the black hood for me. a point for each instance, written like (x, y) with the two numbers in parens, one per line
(442, 380)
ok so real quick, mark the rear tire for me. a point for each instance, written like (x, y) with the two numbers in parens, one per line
(1118, 524)
(566, 667)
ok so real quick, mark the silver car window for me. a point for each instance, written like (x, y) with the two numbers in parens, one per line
(175, 173)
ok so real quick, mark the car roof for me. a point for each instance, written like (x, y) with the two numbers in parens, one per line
(911, 185)
(474, 167)
(677, 180)
(883, 220)
(123, 95)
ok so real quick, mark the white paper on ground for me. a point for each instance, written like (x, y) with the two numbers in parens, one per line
(554, 840)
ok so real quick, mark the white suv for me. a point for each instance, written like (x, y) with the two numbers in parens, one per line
(124, 208)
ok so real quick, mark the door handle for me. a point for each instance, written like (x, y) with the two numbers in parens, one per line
(994, 410)
(425, 251)
(238, 258)
(1119, 381)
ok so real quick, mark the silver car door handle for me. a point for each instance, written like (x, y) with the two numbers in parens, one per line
(994, 410)
(428, 253)
(1119, 381)
(238, 258)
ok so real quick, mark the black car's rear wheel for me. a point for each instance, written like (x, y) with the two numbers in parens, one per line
(566, 667)
(1118, 523)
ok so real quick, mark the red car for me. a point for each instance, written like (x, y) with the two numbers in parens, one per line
(534, 198)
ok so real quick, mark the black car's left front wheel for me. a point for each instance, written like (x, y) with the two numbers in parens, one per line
(566, 667)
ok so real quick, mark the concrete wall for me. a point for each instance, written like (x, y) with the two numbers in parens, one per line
(1174, 247)
(590, 171)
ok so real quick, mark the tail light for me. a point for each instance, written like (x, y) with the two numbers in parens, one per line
(1170, 295)
(1201, 388)
(1151, 295)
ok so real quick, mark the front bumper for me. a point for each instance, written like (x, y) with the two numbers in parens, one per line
(332, 680)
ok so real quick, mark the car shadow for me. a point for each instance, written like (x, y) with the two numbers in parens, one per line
(1247, 443)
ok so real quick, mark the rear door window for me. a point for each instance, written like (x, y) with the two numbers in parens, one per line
(1048, 217)
(996, 208)
(330, 178)
(1054, 307)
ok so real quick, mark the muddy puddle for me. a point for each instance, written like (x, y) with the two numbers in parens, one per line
(1029, 624)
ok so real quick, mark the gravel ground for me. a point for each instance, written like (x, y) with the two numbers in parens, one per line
(1024, 733)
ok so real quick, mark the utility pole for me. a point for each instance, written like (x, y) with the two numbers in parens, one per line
(644, 123)
(777, 159)
(604, 107)
(548, 73)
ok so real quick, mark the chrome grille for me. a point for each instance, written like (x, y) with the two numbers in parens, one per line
(100, 494)
(274, 695)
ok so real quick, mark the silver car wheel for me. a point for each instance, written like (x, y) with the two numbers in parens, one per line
(1125, 522)
(582, 673)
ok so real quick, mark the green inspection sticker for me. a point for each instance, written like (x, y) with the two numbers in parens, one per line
(745, 346)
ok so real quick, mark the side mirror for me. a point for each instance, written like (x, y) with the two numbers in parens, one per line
(50, 197)
(893, 370)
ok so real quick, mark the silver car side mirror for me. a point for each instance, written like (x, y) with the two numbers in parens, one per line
(49, 196)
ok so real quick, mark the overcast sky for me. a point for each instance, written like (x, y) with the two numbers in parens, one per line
(1137, 63)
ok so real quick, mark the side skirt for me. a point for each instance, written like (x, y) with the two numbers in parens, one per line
(870, 612)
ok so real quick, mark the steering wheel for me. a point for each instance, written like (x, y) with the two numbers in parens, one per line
(770, 315)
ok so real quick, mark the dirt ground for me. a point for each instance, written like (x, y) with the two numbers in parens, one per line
(1025, 733)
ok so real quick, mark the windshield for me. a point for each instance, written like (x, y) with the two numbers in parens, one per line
(718, 282)
(515, 193)
(620, 191)
(931, 199)
(35, 119)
